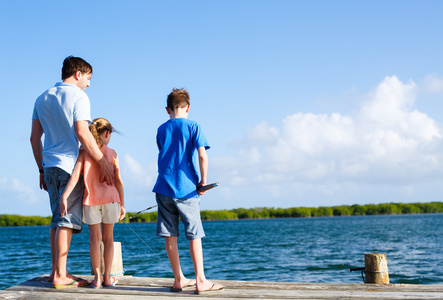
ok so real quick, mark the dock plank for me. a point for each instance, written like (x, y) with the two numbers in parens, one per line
(158, 288)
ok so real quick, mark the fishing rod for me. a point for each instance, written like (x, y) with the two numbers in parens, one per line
(202, 188)
(208, 186)
(131, 216)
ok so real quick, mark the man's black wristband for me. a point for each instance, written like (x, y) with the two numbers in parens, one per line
(40, 171)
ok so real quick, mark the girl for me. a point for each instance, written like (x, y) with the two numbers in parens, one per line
(102, 204)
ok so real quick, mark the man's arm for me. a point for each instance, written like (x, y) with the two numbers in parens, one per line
(203, 162)
(37, 149)
(87, 140)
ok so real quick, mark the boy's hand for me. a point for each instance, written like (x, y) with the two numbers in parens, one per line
(199, 185)
(122, 212)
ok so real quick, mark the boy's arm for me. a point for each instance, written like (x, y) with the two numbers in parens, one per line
(119, 186)
(203, 163)
(72, 182)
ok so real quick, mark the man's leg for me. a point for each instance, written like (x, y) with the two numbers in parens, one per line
(63, 239)
(196, 250)
(52, 232)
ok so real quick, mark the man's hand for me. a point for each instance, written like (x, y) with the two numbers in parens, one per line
(106, 171)
(88, 142)
(42, 182)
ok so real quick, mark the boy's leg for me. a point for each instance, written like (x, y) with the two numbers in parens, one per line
(167, 226)
(174, 259)
(95, 239)
(108, 243)
(196, 250)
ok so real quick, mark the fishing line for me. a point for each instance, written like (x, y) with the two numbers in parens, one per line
(159, 259)
(202, 188)
(130, 217)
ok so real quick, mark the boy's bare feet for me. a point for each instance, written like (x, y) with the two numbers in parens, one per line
(208, 286)
(179, 285)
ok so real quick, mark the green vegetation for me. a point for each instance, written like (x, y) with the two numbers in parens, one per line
(266, 213)
(16, 220)
(141, 218)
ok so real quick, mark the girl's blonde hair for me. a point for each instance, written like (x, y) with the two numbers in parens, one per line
(98, 127)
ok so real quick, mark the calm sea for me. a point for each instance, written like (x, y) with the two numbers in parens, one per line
(297, 250)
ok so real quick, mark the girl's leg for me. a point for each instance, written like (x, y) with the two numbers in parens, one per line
(108, 243)
(94, 249)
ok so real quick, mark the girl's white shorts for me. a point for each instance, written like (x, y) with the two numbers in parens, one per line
(105, 213)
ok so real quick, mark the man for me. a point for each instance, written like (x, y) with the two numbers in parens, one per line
(62, 113)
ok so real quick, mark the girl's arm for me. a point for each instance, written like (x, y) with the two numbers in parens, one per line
(78, 169)
(119, 186)
(203, 162)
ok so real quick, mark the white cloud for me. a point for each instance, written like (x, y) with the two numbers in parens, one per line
(139, 175)
(13, 190)
(386, 141)
(17, 197)
(433, 84)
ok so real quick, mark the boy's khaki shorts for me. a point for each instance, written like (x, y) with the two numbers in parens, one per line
(105, 213)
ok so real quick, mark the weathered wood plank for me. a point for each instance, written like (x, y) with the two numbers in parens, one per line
(158, 288)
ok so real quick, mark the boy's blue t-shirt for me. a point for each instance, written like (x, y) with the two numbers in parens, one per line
(178, 141)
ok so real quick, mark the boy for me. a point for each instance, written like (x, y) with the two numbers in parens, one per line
(176, 188)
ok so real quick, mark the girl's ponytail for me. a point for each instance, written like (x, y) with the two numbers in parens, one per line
(98, 127)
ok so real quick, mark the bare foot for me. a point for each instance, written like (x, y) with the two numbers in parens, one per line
(208, 287)
(80, 280)
(67, 282)
(179, 285)
(112, 281)
(51, 276)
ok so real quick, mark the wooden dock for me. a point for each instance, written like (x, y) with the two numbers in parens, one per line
(158, 288)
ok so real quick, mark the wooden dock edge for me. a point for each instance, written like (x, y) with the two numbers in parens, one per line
(158, 288)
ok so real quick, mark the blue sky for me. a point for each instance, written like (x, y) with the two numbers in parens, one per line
(305, 103)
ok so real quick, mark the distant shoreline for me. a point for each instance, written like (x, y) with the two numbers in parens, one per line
(263, 213)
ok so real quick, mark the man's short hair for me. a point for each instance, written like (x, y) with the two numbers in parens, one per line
(178, 98)
(72, 65)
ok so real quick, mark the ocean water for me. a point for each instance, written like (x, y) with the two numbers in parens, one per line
(292, 250)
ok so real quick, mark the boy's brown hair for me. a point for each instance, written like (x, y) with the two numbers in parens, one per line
(73, 64)
(178, 98)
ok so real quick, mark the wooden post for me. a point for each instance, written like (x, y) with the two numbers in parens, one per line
(117, 261)
(376, 268)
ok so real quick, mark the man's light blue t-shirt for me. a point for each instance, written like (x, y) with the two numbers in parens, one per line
(57, 109)
(178, 141)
